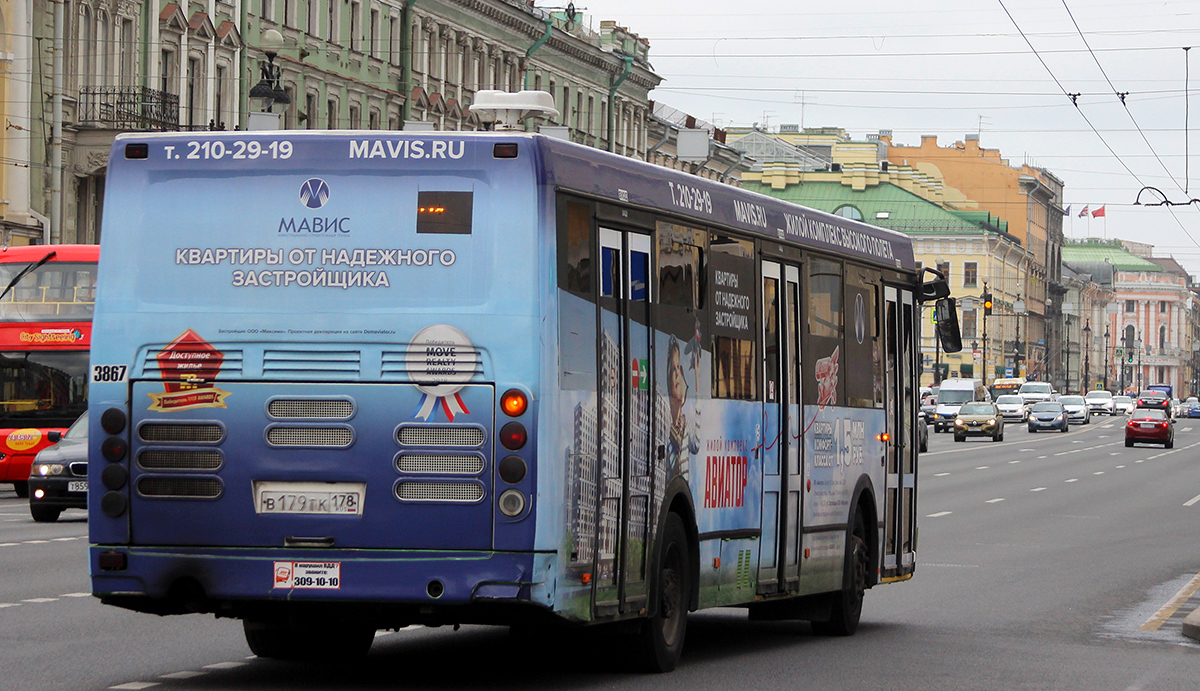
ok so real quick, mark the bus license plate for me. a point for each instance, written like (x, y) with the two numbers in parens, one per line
(343, 499)
(325, 575)
(77, 486)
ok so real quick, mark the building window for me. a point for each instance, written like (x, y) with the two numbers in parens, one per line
(944, 268)
(373, 34)
(355, 117)
(313, 17)
(331, 119)
(1130, 307)
(1162, 337)
(375, 118)
(848, 211)
(969, 321)
(1162, 374)
(1162, 306)
(356, 26)
(970, 274)
(310, 111)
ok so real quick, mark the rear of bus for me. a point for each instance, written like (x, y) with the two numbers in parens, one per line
(314, 374)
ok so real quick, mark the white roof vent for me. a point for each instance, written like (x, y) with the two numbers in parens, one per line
(506, 110)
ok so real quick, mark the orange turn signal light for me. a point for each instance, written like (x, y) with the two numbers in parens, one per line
(885, 436)
(514, 403)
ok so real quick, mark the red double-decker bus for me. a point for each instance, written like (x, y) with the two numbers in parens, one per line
(46, 299)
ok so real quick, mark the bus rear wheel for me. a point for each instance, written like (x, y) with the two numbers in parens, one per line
(847, 604)
(660, 641)
(319, 641)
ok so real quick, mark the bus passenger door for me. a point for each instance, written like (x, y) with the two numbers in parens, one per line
(900, 462)
(624, 422)
(783, 467)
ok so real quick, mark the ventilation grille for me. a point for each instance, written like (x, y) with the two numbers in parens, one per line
(172, 459)
(180, 433)
(396, 363)
(313, 364)
(193, 487)
(436, 464)
(338, 437)
(79, 468)
(310, 409)
(456, 492)
(410, 435)
(230, 364)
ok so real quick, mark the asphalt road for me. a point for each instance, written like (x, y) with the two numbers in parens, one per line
(1047, 561)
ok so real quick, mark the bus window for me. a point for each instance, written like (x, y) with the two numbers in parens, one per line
(825, 383)
(731, 296)
(862, 335)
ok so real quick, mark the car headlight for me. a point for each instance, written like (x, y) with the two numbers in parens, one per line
(958, 422)
(1059, 417)
(46, 469)
(992, 421)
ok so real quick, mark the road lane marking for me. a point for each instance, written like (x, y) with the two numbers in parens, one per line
(41, 599)
(940, 474)
(939, 514)
(1040, 457)
(982, 467)
(1162, 615)
(76, 595)
(1015, 461)
(135, 685)
(1062, 453)
(1192, 501)
(4, 605)
(1074, 479)
(1024, 450)
(225, 665)
(1098, 472)
(993, 501)
(1115, 453)
(1120, 466)
(1038, 489)
(181, 675)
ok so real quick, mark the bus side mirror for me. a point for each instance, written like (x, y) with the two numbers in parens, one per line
(936, 289)
(947, 325)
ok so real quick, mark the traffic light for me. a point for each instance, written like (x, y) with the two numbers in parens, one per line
(1129, 355)
(987, 304)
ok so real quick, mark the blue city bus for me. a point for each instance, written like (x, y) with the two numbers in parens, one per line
(351, 381)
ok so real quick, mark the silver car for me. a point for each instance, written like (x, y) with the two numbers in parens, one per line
(1100, 402)
(1077, 409)
(1122, 405)
(1012, 407)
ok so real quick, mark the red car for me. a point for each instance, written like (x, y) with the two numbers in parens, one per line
(1150, 425)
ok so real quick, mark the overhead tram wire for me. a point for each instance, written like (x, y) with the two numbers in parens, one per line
(1121, 97)
(1074, 100)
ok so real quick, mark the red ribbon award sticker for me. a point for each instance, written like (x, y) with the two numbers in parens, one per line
(188, 365)
(441, 360)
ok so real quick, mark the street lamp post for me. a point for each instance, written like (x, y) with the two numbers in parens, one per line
(268, 92)
(1138, 344)
(1087, 355)
(1106, 357)
(1067, 348)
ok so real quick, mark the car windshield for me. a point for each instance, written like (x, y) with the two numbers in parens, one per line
(1009, 400)
(79, 429)
(1071, 400)
(1035, 387)
(1192, 399)
(1047, 408)
(1103, 395)
(956, 396)
(1121, 399)
(1149, 414)
(976, 409)
(1152, 394)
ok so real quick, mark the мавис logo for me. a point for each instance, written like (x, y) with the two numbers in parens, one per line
(314, 193)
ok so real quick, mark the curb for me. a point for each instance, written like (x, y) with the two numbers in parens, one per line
(1191, 625)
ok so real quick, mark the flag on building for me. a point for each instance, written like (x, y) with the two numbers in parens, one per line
(1098, 213)
(1084, 213)
(1068, 211)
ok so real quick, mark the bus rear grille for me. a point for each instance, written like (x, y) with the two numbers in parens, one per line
(412, 435)
(180, 433)
(316, 364)
(338, 437)
(175, 459)
(439, 464)
(192, 487)
(310, 409)
(455, 492)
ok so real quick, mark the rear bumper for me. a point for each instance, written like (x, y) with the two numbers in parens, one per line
(239, 581)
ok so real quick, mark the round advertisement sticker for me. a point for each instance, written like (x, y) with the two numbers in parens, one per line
(22, 439)
(441, 359)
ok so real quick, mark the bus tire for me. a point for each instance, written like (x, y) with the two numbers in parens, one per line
(22, 489)
(44, 514)
(280, 640)
(660, 640)
(847, 603)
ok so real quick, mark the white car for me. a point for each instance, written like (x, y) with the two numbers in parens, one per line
(1122, 405)
(1036, 392)
(1076, 408)
(1012, 407)
(1100, 402)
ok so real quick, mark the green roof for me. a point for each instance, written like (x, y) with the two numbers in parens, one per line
(905, 211)
(1111, 252)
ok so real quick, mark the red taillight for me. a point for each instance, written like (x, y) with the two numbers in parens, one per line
(513, 436)
(1163, 424)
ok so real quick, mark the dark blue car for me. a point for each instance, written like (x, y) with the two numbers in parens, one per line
(1048, 415)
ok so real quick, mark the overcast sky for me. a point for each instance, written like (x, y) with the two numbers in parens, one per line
(952, 67)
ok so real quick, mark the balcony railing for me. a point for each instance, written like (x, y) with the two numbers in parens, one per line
(128, 108)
